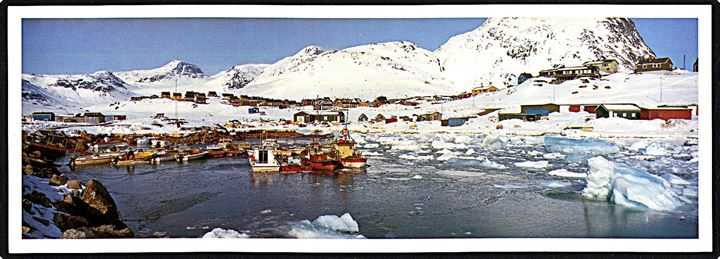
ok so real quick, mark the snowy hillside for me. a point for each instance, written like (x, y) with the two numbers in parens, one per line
(502, 48)
(392, 69)
(72, 91)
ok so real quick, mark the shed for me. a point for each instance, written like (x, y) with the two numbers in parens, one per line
(627, 111)
(454, 122)
(93, 117)
(379, 117)
(524, 77)
(654, 64)
(666, 113)
(435, 116)
(539, 109)
(363, 117)
(519, 116)
(253, 110)
(324, 116)
(590, 108)
(165, 95)
(43, 116)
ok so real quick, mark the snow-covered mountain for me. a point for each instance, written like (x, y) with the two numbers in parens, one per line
(73, 90)
(238, 76)
(175, 69)
(502, 48)
(392, 69)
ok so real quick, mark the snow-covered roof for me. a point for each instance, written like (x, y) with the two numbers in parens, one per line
(621, 107)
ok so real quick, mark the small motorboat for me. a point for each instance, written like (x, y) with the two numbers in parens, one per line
(96, 159)
(262, 159)
(191, 156)
(345, 146)
(118, 162)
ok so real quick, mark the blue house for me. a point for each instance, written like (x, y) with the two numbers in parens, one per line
(524, 77)
(253, 110)
(43, 116)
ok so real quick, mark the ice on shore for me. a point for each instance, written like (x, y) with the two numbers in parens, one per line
(629, 187)
(224, 233)
(566, 173)
(532, 164)
(327, 226)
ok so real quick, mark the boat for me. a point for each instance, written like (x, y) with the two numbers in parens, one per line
(263, 158)
(143, 154)
(96, 159)
(294, 165)
(348, 156)
(193, 155)
(118, 162)
(216, 151)
(319, 160)
(163, 156)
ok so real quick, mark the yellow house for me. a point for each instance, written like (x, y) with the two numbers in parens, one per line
(480, 90)
(609, 66)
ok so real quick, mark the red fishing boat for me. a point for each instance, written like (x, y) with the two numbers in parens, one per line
(345, 147)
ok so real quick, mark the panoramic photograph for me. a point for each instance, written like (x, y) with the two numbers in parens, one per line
(294, 128)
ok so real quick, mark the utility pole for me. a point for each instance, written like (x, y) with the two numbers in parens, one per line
(661, 90)
(177, 120)
(684, 61)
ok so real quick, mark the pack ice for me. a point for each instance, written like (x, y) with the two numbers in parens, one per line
(577, 150)
(327, 226)
(629, 187)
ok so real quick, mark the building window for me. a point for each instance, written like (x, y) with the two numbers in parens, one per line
(622, 115)
(632, 115)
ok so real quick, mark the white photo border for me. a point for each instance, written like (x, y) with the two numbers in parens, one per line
(19, 245)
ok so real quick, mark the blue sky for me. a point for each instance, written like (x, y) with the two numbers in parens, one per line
(52, 46)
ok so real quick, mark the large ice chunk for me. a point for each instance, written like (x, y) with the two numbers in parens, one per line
(327, 226)
(532, 164)
(579, 149)
(630, 187)
(224, 233)
(566, 173)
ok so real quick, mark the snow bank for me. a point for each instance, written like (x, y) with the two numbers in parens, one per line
(224, 233)
(327, 226)
(532, 164)
(629, 187)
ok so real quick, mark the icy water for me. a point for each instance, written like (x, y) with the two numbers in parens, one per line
(417, 186)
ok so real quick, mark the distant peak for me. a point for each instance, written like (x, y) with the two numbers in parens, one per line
(311, 50)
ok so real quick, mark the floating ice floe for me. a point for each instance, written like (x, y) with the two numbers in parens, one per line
(411, 157)
(224, 233)
(637, 146)
(556, 184)
(655, 149)
(629, 187)
(510, 186)
(674, 179)
(534, 153)
(436, 144)
(463, 139)
(459, 173)
(579, 149)
(566, 173)
(553, 156)
(446, 157)
(327, 226)
(417, 177)
(371, 145)
(532, 164)
(470, 151)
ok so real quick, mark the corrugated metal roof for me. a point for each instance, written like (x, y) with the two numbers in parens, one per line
(621, 107)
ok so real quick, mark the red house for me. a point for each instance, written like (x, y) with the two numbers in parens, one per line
(666, 113)
(391, 120)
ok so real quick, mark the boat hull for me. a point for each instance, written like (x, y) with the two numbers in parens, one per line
(132, 162)
(354, 162)
(265, 168)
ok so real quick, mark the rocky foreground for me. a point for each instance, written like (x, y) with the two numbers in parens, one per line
(57, 207)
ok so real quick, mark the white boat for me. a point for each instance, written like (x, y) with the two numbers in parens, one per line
(262, 159)
(188, 157)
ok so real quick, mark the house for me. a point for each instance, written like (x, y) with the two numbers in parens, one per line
(562, 73)
(165, 95)
(346, 103)
(115, 117)
(654, 64)
(324, 104)
(363, 117)
(212, 94)
(43, 116)
(454, 122)
(227, 96)
(609, 66)
(539, 109)
(482, 90)
(379, 118)
(200, 98)
(627, 111)
(137, 98)
(154, 96)
(253, 110)
(190, 96)
(435, 116)
(319, 116)
(406, 118)
(524, 77)
(666, 113)
(695, 65)
(379, 101)
(93, 117)
(177, 96)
